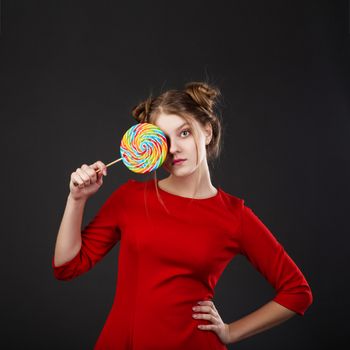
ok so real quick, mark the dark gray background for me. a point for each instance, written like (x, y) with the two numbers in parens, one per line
(70, 73)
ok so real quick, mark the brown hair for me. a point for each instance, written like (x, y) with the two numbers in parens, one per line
(197, 100)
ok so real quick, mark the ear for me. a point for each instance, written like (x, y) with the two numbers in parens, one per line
(208, 130)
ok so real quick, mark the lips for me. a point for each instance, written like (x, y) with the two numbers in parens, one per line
(178, 160)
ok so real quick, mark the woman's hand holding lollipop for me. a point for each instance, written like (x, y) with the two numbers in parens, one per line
(86, 180)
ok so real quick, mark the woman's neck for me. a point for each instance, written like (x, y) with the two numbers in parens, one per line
(186, 186)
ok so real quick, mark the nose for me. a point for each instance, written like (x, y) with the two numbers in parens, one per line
(172, 146)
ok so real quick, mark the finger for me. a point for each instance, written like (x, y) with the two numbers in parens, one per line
(76, 180)
(206, 326)
(84, 176)
(205, 313)
(200, 308)
(208, 317)
(101, 166)
(206, 309)
(212, 304)
(206, 302)
(90, 172)
(100, 179)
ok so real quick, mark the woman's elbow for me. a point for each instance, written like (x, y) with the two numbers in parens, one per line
(306, 299)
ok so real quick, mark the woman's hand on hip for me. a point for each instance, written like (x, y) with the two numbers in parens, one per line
(206, 310)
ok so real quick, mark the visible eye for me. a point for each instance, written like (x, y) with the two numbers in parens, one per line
(186, 130)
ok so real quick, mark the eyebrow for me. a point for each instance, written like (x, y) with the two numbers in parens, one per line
(182, 126)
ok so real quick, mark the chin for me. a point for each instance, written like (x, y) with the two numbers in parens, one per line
(182, 172)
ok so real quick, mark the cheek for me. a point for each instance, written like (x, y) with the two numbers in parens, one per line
(197, 150)
(190, 146)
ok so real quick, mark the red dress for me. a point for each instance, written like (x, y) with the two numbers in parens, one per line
(169, 260)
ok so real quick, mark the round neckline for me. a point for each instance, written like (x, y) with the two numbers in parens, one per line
(218, 190)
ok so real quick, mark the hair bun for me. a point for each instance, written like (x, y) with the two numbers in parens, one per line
(141, 111)
(204, 94)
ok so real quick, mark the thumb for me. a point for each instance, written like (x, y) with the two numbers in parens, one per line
(99, 178)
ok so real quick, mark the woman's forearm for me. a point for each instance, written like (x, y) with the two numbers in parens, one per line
(269, 315)
(68, 240)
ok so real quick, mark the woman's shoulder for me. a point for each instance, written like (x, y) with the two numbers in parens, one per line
(122, 188)
(231, 200)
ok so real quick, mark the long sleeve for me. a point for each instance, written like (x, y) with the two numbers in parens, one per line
(98, 238)
(268, 256)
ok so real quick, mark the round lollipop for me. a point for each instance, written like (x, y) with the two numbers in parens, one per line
(143, 148)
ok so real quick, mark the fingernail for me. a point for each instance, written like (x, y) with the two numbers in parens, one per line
(104, 172)
(199, 302)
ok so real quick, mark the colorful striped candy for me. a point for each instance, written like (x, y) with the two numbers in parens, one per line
(143, 148)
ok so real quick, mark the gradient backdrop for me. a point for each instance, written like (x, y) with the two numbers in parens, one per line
(70, 73)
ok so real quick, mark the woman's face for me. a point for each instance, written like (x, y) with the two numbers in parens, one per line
(181, 143)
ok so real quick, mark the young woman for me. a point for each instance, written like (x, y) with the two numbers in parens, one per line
(176, 237)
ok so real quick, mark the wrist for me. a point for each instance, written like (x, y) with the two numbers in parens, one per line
(77, 201)
(233, 334)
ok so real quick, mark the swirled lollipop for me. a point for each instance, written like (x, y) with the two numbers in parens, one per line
(143, 148)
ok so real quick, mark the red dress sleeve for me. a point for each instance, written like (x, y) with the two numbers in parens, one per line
(268, 256)
(98, 238)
